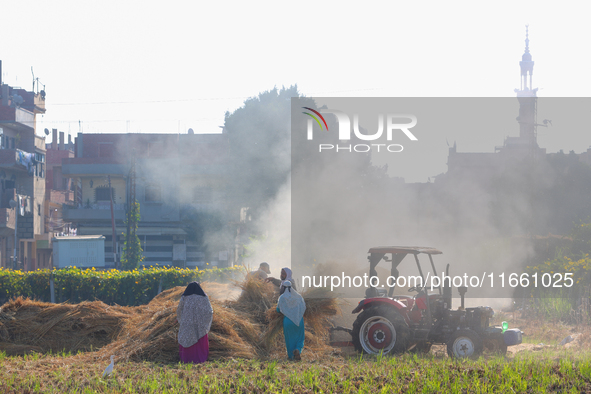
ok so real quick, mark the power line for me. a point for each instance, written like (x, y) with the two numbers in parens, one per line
(153, 101)
(200, 99)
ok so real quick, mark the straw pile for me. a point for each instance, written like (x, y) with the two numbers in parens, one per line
(151, 333)
(247, 327)
(256, 299)
(320, 307)
(27, 325)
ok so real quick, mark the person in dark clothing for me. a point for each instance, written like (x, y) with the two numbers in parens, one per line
(262, 273)
(285, 276)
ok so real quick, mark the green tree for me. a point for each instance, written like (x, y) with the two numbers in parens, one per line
(132, 249)
(259, 138)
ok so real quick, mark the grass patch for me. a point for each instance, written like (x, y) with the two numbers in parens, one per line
(405, 374)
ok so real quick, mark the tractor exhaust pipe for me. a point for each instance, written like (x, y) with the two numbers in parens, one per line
(462, 290)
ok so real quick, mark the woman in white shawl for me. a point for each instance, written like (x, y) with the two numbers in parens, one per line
(292, 306)
(195, 316)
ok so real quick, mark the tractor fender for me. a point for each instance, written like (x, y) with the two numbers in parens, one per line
(378, 301)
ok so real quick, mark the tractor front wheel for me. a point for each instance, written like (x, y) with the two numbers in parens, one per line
(465, 344)
(380, 329)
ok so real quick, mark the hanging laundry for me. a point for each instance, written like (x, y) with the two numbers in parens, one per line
(27, 160)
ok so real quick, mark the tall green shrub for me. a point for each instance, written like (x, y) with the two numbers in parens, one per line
(132, 248)
(135, 287)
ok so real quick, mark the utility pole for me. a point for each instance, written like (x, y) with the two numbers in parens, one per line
(113, 225)
(130, 205)
(15, 204)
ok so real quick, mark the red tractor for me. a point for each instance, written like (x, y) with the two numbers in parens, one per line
(391, 324)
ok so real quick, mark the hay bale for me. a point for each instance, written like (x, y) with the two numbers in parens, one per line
(149, 332)
(52, 328)
(320, 308)
(15, 349)
(256, 299)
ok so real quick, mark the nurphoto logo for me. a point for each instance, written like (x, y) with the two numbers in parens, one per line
(392, 124)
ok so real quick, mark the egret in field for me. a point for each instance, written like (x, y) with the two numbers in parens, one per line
(109, 368)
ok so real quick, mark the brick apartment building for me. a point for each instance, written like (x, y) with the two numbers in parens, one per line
(22, 179)
(59, 190)
(174, 174)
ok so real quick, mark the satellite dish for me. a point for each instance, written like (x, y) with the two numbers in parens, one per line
(191, 131)
(18, 99)
(46, 131)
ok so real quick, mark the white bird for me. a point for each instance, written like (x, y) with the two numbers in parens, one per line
(109, 368)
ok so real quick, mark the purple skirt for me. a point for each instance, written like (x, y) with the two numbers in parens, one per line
(197, 353)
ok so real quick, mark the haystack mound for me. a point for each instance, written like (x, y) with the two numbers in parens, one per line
(248, 327)
(320, 308)
(28, 325)
(152, 333)
(256, 299)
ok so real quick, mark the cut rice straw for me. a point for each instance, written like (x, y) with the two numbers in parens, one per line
(248, 327)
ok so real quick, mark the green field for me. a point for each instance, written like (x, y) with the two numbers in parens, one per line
(540, 372)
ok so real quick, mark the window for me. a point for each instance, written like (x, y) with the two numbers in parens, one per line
(153, 193)
(40, 159)
(39, 209)
(203, 195)
(104, 194)
(9, 184)
(39, 170)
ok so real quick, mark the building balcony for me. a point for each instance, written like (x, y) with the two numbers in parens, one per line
(8, 157)
(98, 212)
(94, 166)
(60, 196)
(17, 118)
(7, 221)
(19, 160)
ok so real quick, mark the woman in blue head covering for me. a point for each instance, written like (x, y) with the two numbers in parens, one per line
(292, 306)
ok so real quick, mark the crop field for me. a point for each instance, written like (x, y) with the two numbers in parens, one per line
(247, 354)
(539, 365)
(548, 371)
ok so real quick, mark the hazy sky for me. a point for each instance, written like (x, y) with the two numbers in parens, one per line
(134, 66)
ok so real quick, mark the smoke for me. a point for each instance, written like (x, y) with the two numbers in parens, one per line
(333, 207)
(273, 245)
(482, 213)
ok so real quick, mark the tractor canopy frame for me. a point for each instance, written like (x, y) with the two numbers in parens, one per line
(377, 254)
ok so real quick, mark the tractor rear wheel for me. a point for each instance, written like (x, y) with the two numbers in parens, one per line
(496, 345)
(465, 344)
(380, 329)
